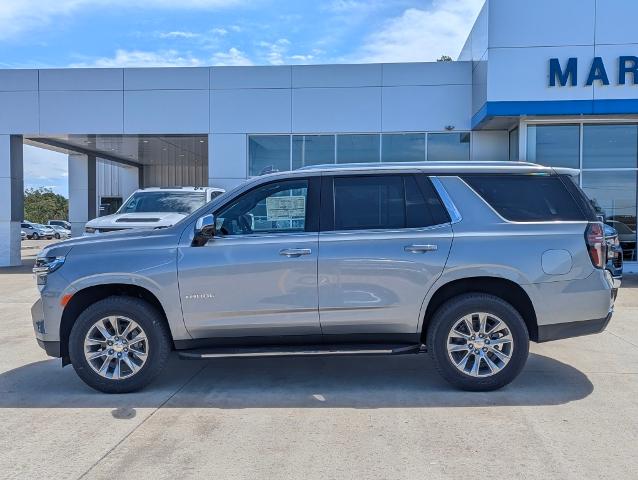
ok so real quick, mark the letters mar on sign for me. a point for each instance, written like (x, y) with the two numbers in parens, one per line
(566, 74)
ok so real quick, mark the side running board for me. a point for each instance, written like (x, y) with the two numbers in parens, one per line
(299, 351)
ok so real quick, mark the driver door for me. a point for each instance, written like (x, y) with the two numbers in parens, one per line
(258, 276)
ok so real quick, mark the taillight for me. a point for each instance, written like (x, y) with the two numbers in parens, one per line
(596, 245)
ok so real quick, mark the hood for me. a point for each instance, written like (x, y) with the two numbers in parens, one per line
(132, 238)
(136, 220)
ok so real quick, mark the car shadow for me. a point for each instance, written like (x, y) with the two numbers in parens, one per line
(235, 383)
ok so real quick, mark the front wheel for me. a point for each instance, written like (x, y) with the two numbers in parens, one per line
(35, 236)
(119, 344)
(57, 236)
(478, 342)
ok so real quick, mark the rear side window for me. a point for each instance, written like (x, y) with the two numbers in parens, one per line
(369, 202)
(527, 198)
(385, 202)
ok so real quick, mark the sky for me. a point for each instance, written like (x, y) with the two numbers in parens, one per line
(151, 33)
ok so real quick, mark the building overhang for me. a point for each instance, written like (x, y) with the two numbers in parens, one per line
(493, 115)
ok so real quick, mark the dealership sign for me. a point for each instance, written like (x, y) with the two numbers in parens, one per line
(625, 71)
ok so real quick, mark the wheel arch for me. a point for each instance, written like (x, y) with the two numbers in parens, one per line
(91, 294)
(503, 288)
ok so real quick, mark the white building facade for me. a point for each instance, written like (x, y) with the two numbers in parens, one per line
(554, 82)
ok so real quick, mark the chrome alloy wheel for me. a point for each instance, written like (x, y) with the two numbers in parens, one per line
(480, 344)
(116, 347)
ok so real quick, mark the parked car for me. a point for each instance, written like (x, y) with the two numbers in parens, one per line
(37, 231)
(60, 232)
(614, 254)
(60, 223)
(460, 260)
(153, 208)
(627, 238)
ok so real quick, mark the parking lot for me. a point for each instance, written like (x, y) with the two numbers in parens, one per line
(571, 414)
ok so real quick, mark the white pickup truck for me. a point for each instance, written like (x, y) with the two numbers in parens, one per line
(152, 208)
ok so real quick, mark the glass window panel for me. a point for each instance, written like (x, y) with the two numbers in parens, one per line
(554, 145)
(527, 198)
(312, 150)
(448, 147)
(514, 145)
(369, 202)
(614, 196)
(357, 148)
(275, 207)
(610, 146)
(403, 147)
(268, 153)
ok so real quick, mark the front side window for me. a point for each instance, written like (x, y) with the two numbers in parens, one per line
(157, 202)
(278, 207)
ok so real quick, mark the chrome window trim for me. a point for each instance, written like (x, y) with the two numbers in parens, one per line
(455, 215)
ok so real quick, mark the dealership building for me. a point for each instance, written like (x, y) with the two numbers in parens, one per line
(552, 82)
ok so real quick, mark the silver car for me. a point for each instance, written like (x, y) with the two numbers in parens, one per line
(467, 261)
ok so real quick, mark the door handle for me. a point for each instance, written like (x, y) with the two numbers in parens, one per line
(420, 248)
(295, 252)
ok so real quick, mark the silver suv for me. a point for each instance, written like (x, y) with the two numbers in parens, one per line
(467, 261)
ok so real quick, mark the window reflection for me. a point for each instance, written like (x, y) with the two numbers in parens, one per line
(554, 145)
(403, 147)
(312, 150)
(610, 146)
(614, 197)
(357, 148)
(268, 153)
(448, 147)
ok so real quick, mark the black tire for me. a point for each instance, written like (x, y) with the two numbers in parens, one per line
(57, 236)
(450, 313)
(35, 236)
(148, 318)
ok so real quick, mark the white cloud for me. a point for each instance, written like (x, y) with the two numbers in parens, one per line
(17, 16)
(178, 34)
(140, 58)
(233, 56)
(276, 51)
(422, 34)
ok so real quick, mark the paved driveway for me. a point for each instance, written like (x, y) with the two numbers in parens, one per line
(573, 413)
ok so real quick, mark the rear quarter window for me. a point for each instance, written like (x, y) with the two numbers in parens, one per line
(527, 198)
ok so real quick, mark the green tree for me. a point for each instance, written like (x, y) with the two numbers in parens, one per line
(42, 205)
(444, 58)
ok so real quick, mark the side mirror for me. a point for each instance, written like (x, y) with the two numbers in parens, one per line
(205, 229)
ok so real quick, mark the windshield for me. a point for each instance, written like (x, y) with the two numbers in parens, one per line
(176, 202)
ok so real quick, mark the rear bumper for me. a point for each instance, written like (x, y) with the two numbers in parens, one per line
(558, 331)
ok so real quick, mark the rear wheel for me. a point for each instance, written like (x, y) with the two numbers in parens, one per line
(57, 236)
(478, 342)
(119, 344)
(35, 236)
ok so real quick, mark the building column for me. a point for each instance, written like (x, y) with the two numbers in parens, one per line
(11, 199)
(227, 160)
(82, 191)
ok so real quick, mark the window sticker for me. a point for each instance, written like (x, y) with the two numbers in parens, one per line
(285, 208)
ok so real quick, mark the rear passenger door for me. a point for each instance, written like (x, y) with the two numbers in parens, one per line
(384, 240)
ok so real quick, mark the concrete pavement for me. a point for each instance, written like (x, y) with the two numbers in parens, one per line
(573, 413)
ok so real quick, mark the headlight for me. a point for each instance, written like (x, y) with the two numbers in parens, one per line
(89, 230)
(46, 265)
